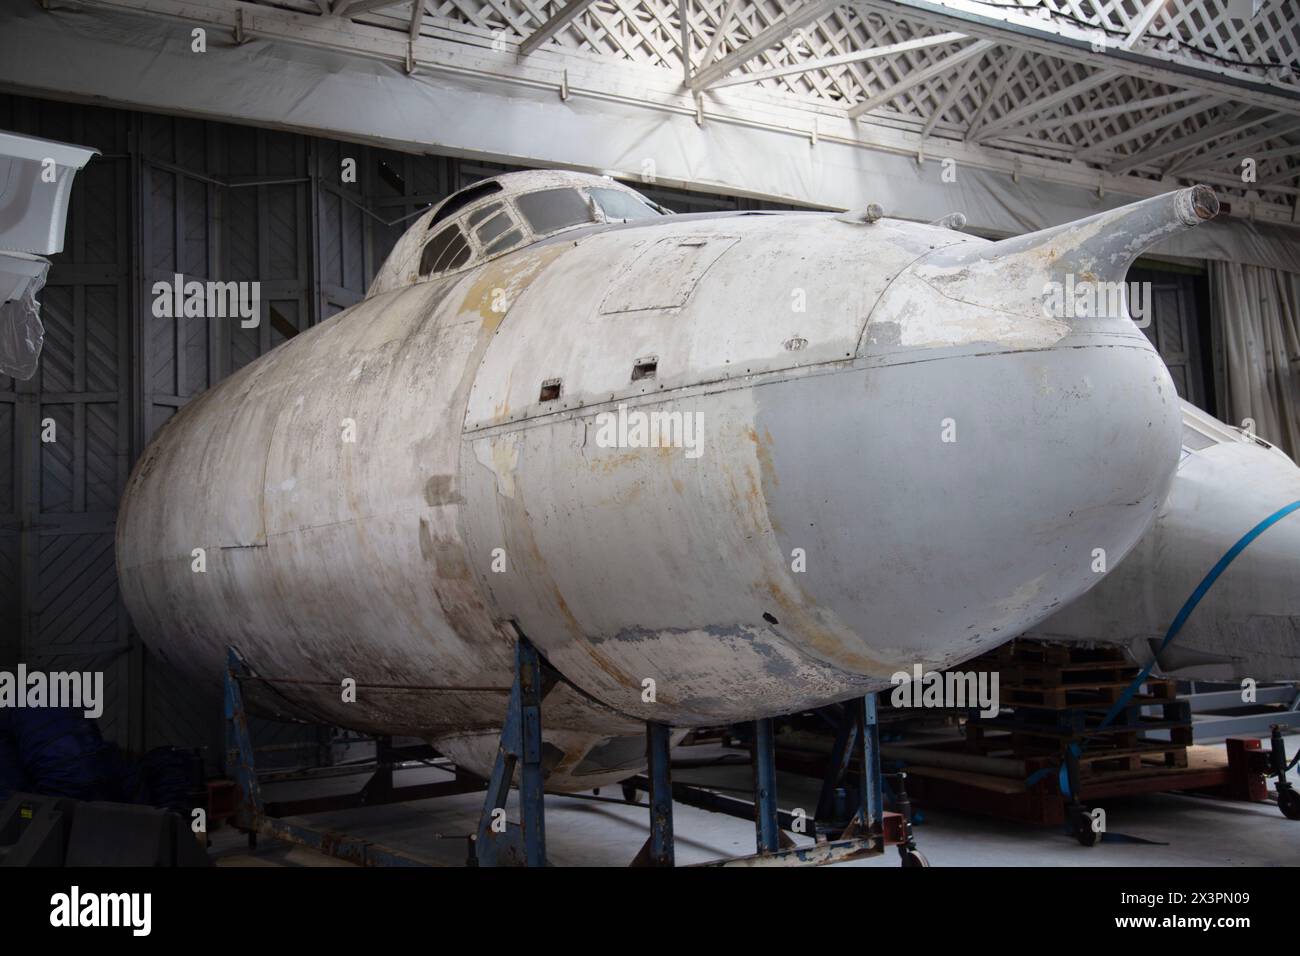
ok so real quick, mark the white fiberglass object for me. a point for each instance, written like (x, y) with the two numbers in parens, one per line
(1247, 624)
(35, 185)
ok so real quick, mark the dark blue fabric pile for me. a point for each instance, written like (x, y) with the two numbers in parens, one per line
(60, 752)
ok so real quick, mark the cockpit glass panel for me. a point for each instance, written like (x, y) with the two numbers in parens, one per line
(456, 257)
(553, 209)
(447, 250)
(510, 239)
(478, 215)
(466, 197)
(493, 228)
(619, 205)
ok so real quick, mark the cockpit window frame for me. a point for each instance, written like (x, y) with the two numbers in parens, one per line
(591, 214)
(437, 267)
(477, 207)
(463, 199)
(593, 196)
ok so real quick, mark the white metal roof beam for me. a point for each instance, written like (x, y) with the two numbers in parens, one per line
(829, 61)
(943, 65)
(955, 88)
(1241, 146)
(1071, 119)
(354, 8)
(1058, 37)
(1259, 157)
(1291, 149)
(557, 22)
(772, 34)
(1277, 178)
(1228, 126)
(684, 39)
(1153, 125)
(1047, 102)
(1013, 58)
(715, 41)
(1217, 131)
(1143, 22)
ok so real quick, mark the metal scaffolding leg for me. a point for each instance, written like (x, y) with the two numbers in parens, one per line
(873, 802)
(521, 745)
(661, 849)
(239, 747)
(765, 809)
(828, 815)
(251, 813)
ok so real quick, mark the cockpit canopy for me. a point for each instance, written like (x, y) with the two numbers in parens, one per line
(498, 215)
(1202, 430)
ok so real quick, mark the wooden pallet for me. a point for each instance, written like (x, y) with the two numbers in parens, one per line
(1062, 677)
(1055, 698)
(1206, 769)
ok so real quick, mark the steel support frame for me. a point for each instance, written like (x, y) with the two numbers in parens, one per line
(768, 831)
(256, 817)
(498, 841)
(873, 800)
(857, 736)
(662, 848)
(865, 835)
(1208, 726)
(520, 746)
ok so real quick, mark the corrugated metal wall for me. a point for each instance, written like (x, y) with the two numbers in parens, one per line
(208, 201)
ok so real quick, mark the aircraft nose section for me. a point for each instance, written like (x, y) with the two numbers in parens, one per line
(994, 456)
(972, 495)
(1040, 290)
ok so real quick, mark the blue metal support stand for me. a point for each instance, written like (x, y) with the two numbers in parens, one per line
(521, 746)
(873, 802)
(661, 852)
(831, 802)
(251, 812)
(239, 747)
(765, 809)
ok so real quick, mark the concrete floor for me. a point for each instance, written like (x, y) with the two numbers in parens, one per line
(1196, 831)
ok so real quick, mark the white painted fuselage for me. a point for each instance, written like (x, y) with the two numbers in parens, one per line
(896, 457)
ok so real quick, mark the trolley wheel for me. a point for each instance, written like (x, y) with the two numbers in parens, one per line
(913, 858)
(629, 792)
(1083, 831)
(1288, 802)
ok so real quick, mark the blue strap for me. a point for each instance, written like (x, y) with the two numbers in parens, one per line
(1188, 606)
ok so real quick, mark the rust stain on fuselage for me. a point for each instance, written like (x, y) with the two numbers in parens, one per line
(805, 627)
(762, 447)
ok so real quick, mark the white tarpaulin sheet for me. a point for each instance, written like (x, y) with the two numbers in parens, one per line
(1258, 315)
(21, 331)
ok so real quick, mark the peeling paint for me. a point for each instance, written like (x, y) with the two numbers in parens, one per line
(628, 564)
